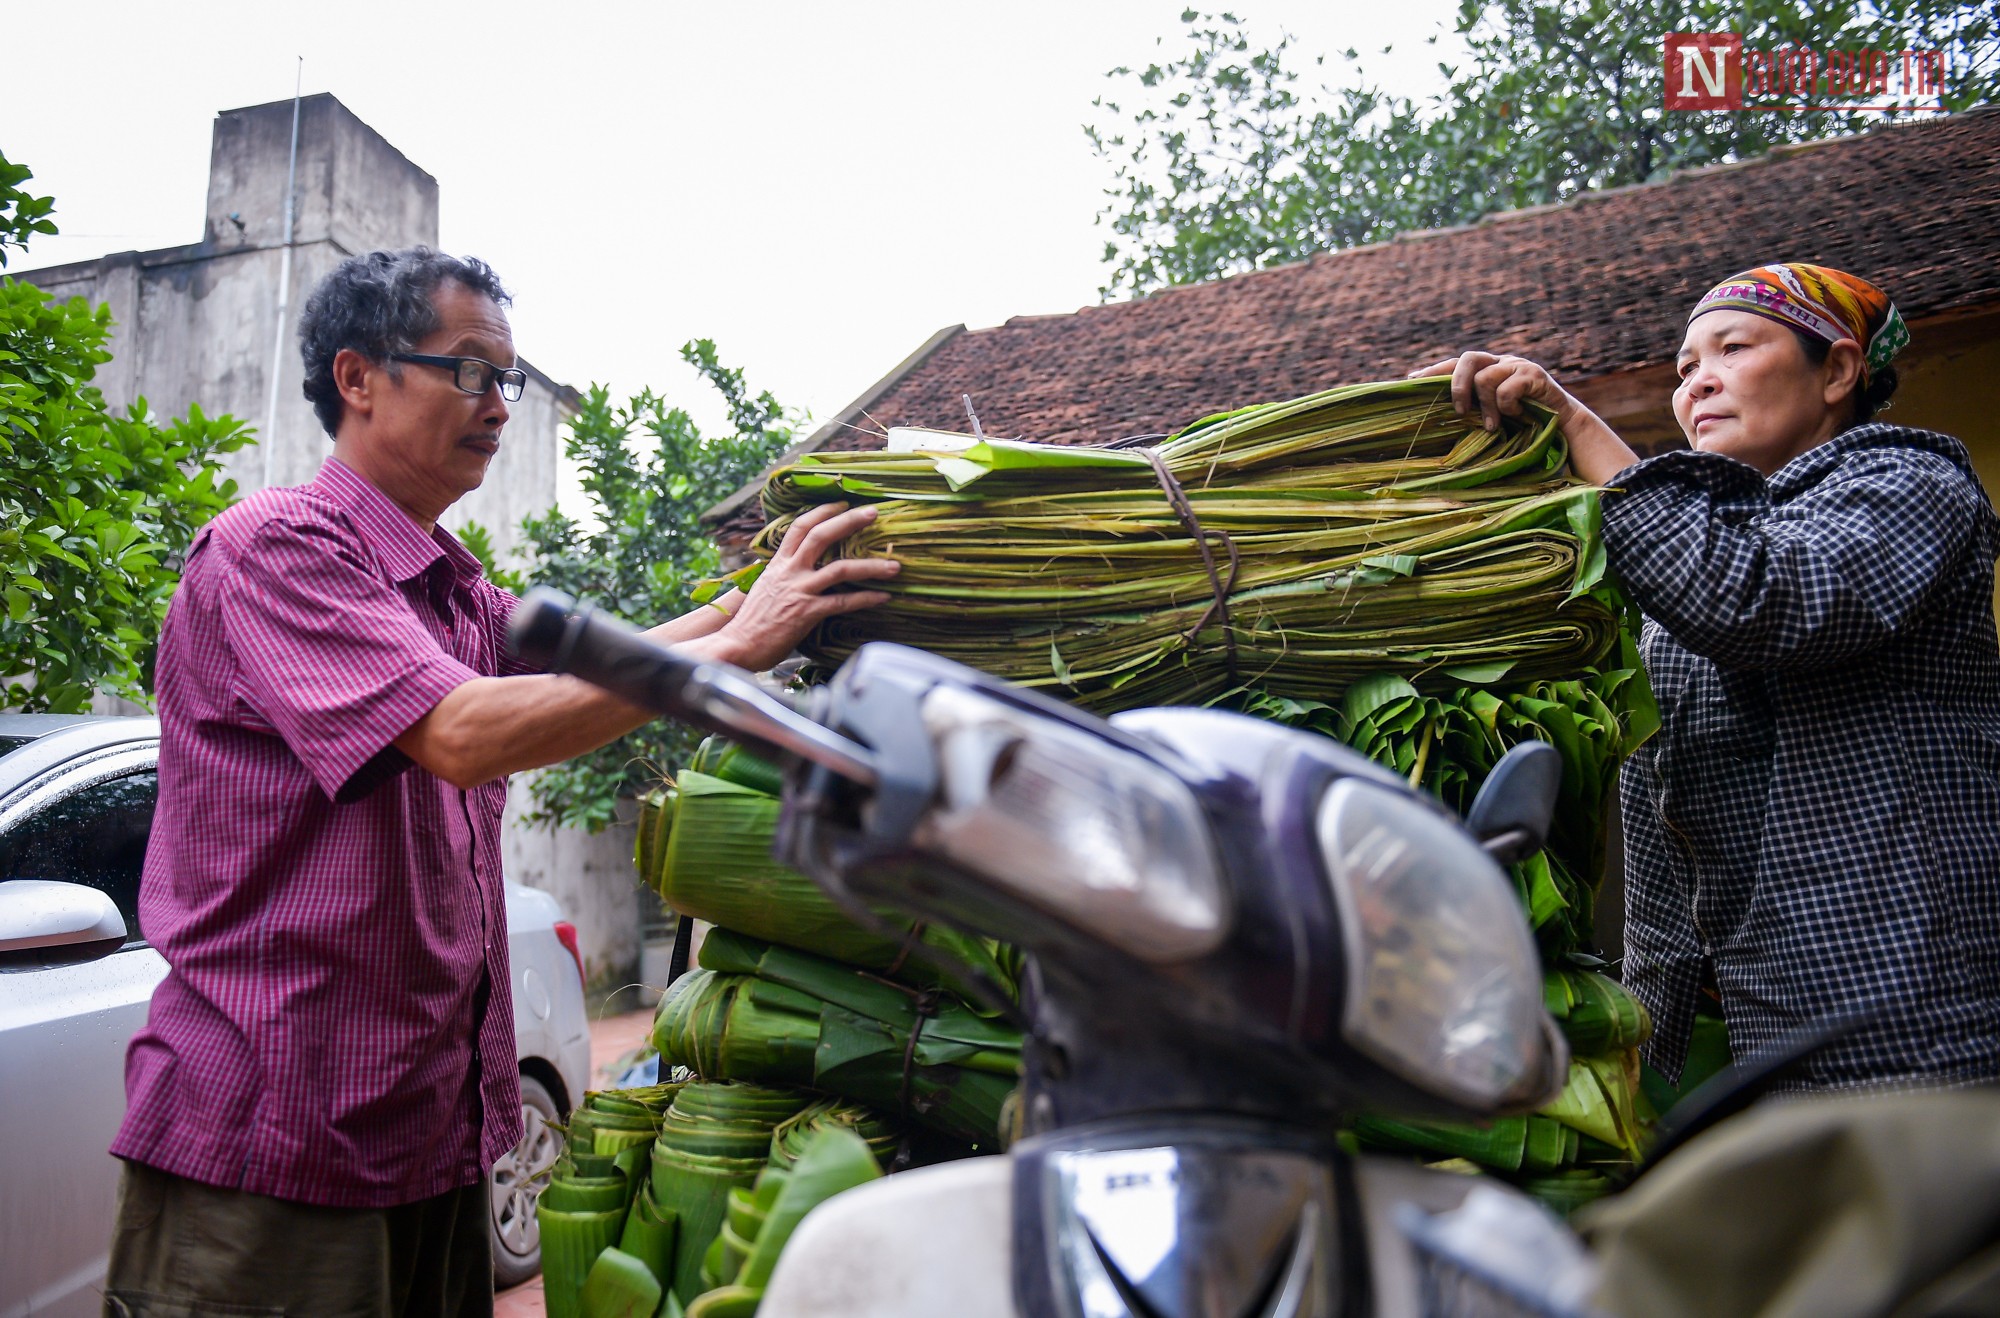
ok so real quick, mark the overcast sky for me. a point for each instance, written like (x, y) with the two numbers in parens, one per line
(816, 186)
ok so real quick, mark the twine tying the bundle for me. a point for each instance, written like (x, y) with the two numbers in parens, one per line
(1218, 609)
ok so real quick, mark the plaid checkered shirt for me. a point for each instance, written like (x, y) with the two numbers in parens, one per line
(1818, 819)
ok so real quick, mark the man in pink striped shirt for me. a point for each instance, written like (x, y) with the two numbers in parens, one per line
(327, 1071)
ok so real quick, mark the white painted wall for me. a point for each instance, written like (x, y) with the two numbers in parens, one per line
(592, 875)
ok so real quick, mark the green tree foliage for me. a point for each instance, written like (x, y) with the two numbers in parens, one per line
(1227, 160)
(649, 473)
(95, 510)
(22, 214)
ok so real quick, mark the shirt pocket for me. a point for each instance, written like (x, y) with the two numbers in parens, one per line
(1730, 716)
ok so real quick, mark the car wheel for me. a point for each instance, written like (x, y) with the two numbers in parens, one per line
(517, 1181)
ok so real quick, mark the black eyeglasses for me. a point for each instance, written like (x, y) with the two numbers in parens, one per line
(475, 375)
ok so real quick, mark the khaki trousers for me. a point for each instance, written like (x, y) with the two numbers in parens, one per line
(182, 1249)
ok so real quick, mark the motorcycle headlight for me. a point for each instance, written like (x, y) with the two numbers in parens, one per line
(1078, 826)
(1443, 984)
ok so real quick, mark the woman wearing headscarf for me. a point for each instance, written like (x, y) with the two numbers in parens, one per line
(1815, 830)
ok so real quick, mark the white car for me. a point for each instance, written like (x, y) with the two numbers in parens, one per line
(76, 805)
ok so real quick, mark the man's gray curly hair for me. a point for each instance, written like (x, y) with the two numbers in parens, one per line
(378, 304)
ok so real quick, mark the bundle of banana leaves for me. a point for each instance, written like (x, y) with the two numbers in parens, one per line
(705, 846)
(1376, 570)
(694, 1213)
(1359, 530)
(1446, 744)
(714, 1138)
(773, 1015)
(761, 1221)
(1569, 1151)
(789, 1140)
(584, 1208)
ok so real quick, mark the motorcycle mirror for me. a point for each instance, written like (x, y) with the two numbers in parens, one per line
(1510, 816)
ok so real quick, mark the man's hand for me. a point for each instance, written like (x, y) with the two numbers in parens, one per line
(492, 726)
(795, 593)
(1496, 385)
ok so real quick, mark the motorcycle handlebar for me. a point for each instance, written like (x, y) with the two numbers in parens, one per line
(549, 631)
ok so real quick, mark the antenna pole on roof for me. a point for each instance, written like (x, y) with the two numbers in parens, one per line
(973, 417)
(284, 278)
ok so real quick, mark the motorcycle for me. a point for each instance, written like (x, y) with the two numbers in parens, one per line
(1237, 935)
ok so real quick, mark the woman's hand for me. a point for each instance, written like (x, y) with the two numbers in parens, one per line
(1497, 386)
(795, 593)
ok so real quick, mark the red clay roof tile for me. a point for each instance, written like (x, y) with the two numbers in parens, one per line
(1596, 285)
(1599, 284)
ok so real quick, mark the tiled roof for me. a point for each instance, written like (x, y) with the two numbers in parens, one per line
(1596, 285)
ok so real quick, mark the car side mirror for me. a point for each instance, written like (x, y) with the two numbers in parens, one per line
(1510, 816)
(44, 922)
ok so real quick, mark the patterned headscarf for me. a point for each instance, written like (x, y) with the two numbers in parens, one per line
(1830, 305)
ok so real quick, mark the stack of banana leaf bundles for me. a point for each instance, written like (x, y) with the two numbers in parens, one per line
(1364, 563)
(824, 1053)
(677, 1199)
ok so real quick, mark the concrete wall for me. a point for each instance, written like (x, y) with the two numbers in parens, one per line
(199, 325)
(593, 876)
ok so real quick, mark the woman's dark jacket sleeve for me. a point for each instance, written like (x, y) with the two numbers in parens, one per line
(1827, 573)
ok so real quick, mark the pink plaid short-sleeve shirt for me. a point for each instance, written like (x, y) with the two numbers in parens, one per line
(336, 1027)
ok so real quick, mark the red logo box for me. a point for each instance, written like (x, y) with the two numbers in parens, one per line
(1704, 71)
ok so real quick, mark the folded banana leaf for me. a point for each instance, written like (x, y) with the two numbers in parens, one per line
(620, 1286)
(1603, 1098)
(746, 1215)
(790, 1138)
(775, 1015)
(705, 847)
(645, 1100)
(726, 1302)
(658, 809)
(721, 758)
(731, 1245)
(650, 1233)
(577, 1163)
(831, 1160)
(714, 1138)
(571, 1243)
(1585, 1106)
(1618, 1076)
(626, 1117)
(612, 1136)
(1532, 1144)
(576, 1194)
(1567, 1191)
(1597, 1015)
(1447, 744)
